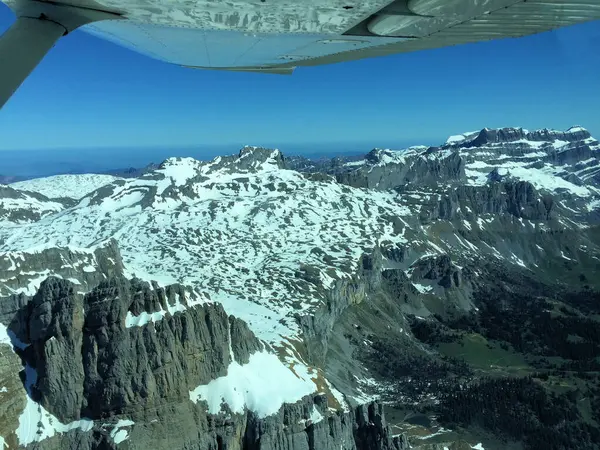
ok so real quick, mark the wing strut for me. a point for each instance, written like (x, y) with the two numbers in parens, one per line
(22, 47)
(38, 26)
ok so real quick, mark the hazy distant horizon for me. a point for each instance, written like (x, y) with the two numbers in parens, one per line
(43, 162)
(35, 163)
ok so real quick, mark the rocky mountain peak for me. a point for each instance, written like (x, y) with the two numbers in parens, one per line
(488, 135)
(252, 156)
(378, 155)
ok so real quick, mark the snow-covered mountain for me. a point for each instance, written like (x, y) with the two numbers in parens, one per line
(551, 160)
(318, 264)
(65, 186)
(238, 233)
(17, 206)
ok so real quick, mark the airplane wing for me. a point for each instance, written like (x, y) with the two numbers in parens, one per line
(269, 34)
(273, 36)
(518, 19)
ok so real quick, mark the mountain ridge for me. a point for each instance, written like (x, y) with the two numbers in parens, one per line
(312, 262)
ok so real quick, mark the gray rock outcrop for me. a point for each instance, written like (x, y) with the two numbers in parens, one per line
(90, 364)
(12, 402)
(439, 269)
(519, 199)
(84, 268)
(505, 135)
(384, 171)
(316, 327)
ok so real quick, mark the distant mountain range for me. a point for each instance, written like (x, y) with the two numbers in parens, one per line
(426, 298)
(130, 172)
(7, 179)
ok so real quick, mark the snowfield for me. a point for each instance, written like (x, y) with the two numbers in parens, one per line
(238, 237)
(262, 386)
(71, 186)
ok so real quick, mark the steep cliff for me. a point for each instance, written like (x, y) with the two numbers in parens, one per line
(117, 366)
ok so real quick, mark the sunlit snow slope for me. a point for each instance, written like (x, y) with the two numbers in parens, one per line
(71, 186)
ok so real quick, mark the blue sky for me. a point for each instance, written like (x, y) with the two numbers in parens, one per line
(92, 93)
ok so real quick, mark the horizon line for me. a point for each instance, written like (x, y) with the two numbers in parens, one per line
(279, 146)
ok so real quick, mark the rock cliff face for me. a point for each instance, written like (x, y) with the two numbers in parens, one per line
(439, 269)
(508, 135)
(302, 425)
(96, 359)
(363, 428)
(383, 169)
(317, 326)
(519, 199)
(12, 400)
(90, 364)
(22, 272)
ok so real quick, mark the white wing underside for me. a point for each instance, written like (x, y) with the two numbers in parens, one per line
(278, 35)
